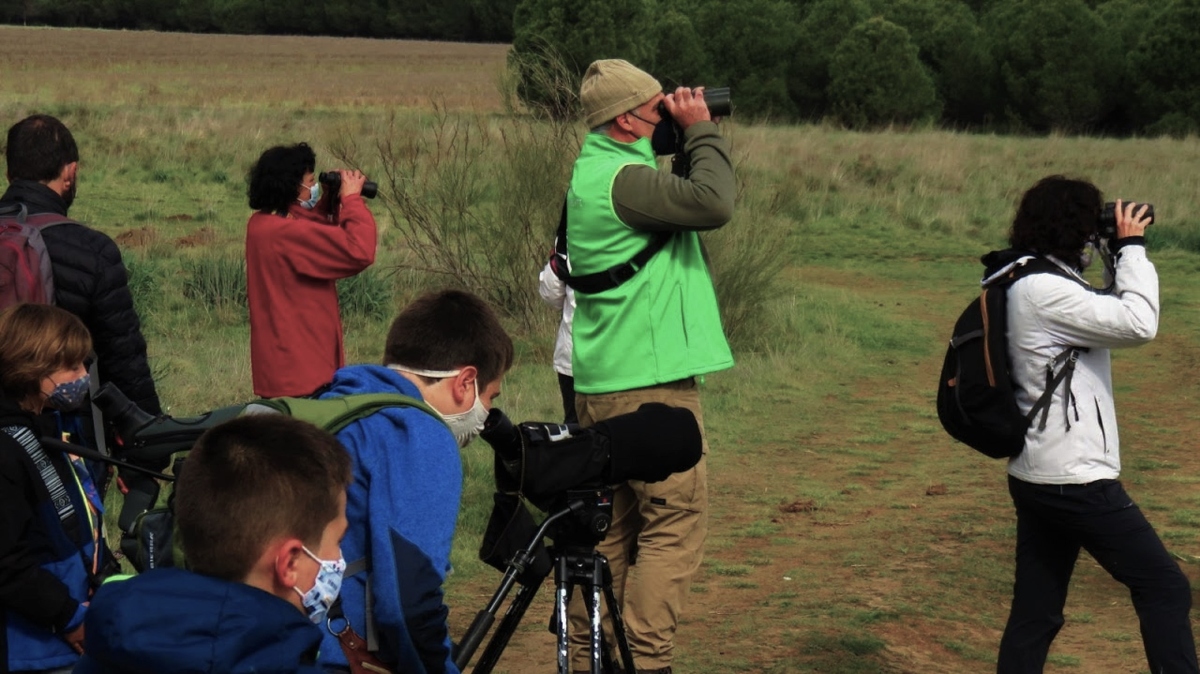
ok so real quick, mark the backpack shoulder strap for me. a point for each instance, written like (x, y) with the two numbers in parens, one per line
(15, 210)
(1034, 265)
(608, 279)
(334, 414)
(20, 213)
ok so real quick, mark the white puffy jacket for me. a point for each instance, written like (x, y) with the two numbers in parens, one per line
(1047, 314)
(560, 296)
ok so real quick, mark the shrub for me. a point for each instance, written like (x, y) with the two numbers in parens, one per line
(477, 202)
(876, 78)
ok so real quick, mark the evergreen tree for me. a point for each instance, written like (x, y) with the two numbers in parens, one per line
(680, 58)
(1167, 70)
(822, 28)
(749, 44)
(573, 33)
(951, 45)
(1056, 63)
(876, 78)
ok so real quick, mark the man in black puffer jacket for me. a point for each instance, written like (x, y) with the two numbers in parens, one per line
(89, 277)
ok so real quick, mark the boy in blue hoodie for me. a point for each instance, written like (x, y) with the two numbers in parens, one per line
(260, 506)
(448, 349)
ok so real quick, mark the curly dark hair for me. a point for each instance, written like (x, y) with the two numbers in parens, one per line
(1056, 217)
(275, 178)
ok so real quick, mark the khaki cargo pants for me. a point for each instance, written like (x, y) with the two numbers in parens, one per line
(666, 521)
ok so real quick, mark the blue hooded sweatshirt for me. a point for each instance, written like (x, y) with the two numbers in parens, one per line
(171, 621)
(402, 508)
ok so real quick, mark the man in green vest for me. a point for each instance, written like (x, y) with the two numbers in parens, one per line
(648, 338)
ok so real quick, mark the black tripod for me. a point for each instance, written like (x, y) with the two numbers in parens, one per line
(576, 529)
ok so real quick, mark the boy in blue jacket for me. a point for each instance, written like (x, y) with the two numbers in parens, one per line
(260, 507)
(448, 349)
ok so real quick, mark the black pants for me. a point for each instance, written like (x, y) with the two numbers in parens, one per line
(566, 386)
(1053, 523)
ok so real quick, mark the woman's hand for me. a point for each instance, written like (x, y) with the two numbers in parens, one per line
(352, 182)
(1131, 219)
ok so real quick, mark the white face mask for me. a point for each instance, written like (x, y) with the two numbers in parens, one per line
(466, 426)
(314, 195)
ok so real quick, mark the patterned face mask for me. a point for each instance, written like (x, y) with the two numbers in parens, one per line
(325, 589)
(70, 395)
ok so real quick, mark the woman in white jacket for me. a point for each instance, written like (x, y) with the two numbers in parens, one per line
(1064, 483)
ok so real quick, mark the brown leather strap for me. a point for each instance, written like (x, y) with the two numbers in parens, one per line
(361, 660)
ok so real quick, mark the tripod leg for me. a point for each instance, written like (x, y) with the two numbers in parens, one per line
(614, 616)
(562, 595)
(594, 588)
(505, 630)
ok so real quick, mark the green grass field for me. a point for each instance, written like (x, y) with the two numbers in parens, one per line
(848, 533)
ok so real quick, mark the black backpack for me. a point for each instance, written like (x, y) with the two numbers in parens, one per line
(976, 400)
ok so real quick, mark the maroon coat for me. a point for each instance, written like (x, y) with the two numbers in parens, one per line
(292, 267)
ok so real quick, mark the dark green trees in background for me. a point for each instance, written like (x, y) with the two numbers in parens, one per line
(1076, 66)
(1166, 64)
(1058, 64)
(876, 78)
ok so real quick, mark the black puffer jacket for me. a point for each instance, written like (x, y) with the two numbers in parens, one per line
(90, 281)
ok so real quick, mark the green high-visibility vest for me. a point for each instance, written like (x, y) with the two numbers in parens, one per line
(660, 326)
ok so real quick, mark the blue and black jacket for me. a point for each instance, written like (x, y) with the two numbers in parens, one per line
(172, 621)
(47, 552)
(402, 508)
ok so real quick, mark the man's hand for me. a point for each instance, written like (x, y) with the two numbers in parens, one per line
(687, 106)
(352, 182)
(74, 639)
(1129, 222)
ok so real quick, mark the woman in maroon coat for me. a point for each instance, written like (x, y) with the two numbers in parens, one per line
(298, 244)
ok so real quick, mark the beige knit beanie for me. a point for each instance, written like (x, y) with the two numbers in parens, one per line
(612, 87)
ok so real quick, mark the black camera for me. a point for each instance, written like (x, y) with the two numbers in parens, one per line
(1107, 224)
(718, 100)
(332, 180)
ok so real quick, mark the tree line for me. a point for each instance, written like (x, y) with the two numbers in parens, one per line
(1075, 66)
(453, 20)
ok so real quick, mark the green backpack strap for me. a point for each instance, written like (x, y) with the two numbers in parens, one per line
(334, 414)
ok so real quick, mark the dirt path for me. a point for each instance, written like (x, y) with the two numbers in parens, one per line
(867, 542)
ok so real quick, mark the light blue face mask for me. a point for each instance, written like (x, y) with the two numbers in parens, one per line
(69, 396)
(325, 589)
(314, 195)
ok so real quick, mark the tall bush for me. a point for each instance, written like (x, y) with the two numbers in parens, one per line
(823, 26)
(577, 32)
(1056, 63)
(1167, 70)
(476, 201)
(749, 44)
(876, 78)
(952, 48)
